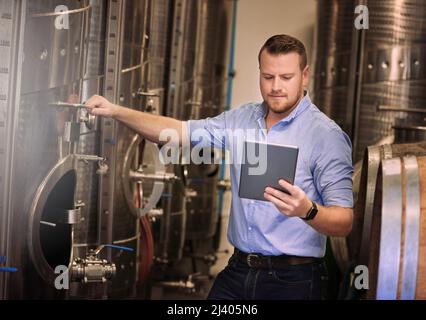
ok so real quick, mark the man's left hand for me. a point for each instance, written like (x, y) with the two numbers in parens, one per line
(295, 204)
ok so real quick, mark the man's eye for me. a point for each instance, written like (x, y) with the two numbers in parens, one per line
(286, 78)
(268, 78)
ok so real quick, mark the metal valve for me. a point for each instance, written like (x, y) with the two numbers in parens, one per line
(84, 116)
(152, 100)
(224, 185)
(153, 213)
(102, 166)
(190, 193)
(93, 269)
(88, 119)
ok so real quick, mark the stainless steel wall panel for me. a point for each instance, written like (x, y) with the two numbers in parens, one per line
(207, 101)
(46, 175)
(53, 55)
(12, 18)
(130, 75)
(396, 21)
(393, 71)
(133, 33)
(36, 152)
(86, 233)
(335, 53)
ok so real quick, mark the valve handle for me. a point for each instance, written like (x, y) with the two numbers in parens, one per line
(112, 246)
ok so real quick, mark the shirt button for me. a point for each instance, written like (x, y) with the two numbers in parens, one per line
(249, 228)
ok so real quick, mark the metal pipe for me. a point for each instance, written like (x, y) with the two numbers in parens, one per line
(139, 176)
(399, 109)
(228, 101)
(69, 105)
(52, 14)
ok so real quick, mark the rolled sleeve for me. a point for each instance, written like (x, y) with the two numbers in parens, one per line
(209, 132)
(333, 169)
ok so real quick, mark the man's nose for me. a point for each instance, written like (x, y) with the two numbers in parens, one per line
(276, 84)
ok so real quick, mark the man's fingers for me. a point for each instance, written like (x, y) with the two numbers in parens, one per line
(280, 195)
(100, 112)
(282, 206)
(288, 186)
(94, 101)
(95, 112)
(277, 193)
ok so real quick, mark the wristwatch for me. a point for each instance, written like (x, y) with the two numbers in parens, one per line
(312, 212)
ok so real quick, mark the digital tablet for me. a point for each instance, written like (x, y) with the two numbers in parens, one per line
(280, 163)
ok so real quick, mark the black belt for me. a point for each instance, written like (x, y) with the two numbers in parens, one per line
(259, 261)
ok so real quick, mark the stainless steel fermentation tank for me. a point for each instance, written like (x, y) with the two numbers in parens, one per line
(52, 143)
(61, 199)
(370, 80)
(75, 189)
(197, 78)
(336, 58)
(10, 17)
(124, 76)
(142, 166)
(392, 73)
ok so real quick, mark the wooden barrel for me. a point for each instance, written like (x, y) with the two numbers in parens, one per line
(359, 239)
(397, 250)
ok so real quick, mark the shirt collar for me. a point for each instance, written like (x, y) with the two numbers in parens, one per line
(261, 109)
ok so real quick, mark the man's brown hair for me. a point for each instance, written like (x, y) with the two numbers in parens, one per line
(282, 44)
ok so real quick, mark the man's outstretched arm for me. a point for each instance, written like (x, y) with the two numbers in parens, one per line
(148, 125)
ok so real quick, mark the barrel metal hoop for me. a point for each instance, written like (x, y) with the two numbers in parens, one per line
(390, 234)
(387, 151)
(412, 228)
(373, 153)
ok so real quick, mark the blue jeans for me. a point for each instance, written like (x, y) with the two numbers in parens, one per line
(295, 282)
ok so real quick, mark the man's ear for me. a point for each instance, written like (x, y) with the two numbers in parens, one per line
(305, 75)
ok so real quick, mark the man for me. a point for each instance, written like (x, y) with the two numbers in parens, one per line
(279, 243)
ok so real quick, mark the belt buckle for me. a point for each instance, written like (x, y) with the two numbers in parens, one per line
(249, 257)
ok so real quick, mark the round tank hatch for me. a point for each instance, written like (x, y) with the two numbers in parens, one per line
(51, 217)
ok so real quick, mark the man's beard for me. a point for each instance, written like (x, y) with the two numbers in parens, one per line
(282, 106)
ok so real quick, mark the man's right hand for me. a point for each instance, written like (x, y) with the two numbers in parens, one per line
(99, 106)
(149, 126)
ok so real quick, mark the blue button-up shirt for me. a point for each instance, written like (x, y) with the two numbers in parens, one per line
(324, 172)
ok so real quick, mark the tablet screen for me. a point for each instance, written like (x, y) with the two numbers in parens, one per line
(263, 165)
